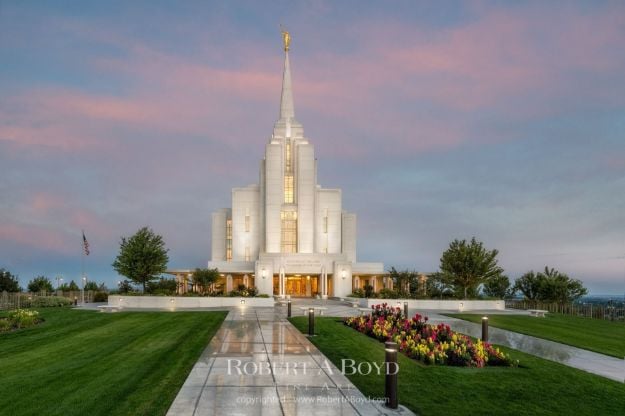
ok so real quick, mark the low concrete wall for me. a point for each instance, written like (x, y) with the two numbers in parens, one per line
(184, 302)
(433, 304)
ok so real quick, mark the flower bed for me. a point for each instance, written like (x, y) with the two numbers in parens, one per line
(19, 318)
(430, 344)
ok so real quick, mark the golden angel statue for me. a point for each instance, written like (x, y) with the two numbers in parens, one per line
(286, 38)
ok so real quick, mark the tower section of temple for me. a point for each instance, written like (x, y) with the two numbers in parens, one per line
(288, 235)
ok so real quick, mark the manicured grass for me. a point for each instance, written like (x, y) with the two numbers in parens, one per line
(90, 363)
(601, 336)
(538, 387)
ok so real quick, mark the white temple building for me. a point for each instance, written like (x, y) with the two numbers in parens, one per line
(287, 235)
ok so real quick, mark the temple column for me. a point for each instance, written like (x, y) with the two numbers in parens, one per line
(324, 279)
(282, 283)
(229, 283)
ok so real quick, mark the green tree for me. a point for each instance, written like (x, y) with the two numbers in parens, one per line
(438, 285)
(405, 282)
(39, 284)
(558, 287)
(498, 287)
(125, 286)
(8, 281)
(91, 285)
(73, 286)
(204, 278)
(468, 265)
(142, 257)
(529, 285)
(162, 286)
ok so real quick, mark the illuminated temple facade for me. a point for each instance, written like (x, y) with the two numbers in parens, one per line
(287, 235)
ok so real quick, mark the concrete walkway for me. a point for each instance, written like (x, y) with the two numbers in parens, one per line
(259, 364)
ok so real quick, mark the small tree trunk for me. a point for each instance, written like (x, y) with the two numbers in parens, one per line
(465, 292)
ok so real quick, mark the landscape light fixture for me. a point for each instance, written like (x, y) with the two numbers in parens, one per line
(344, 274)
(392, 368)
(311, 321)
(485, 329)
(242, 301)
(264, 273)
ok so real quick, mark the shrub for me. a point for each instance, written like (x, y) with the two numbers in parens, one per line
(368, 291)
(23, 318)
(100, 297)
(357, 293)
(244, 292)
(388, 294)
(49, 301)
(5, 325)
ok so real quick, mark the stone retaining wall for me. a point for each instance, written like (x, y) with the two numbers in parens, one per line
(433, 304)
(184, 302)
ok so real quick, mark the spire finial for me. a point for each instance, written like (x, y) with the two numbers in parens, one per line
(287, 110)
(286, 39)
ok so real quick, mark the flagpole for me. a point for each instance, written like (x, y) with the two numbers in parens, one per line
(82, 268)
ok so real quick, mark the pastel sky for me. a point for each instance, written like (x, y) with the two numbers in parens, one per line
(439, 120)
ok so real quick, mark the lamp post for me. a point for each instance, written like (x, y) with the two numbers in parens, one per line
(59, 279)
(392, 368)
(485, 329)
(311, 321)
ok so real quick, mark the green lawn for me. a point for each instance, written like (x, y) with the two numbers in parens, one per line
(601, 336)
(90, 363)
(537, 387)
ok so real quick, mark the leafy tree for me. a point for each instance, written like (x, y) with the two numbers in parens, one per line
(529, 285)
(39, 284)
(73, 286)
(204, 278)
(103, 288)
(63, 287)
(438, 285)
(142, 257)
(468, 265)
(8, 282)
(91, 285)
(558, 287)
(162, 286)
(550, 286)
(368, 291)
(125, 286)
(498, 287)
(405, 282)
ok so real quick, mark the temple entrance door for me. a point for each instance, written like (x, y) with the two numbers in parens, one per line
(302, 286)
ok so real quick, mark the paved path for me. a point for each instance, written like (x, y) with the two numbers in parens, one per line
(259, 364)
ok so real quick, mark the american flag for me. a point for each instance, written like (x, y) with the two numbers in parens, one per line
(85, 244)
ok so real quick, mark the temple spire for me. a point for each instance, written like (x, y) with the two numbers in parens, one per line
(287, 109)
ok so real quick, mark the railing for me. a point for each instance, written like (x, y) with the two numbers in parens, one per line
(587, 310)
(26, 300)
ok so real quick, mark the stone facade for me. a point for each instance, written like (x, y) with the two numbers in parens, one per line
(288, 235)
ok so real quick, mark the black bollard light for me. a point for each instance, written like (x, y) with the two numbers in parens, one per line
(311, 321)
(485, 329)
(288, 308)
(392, 369)
(406, 310)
